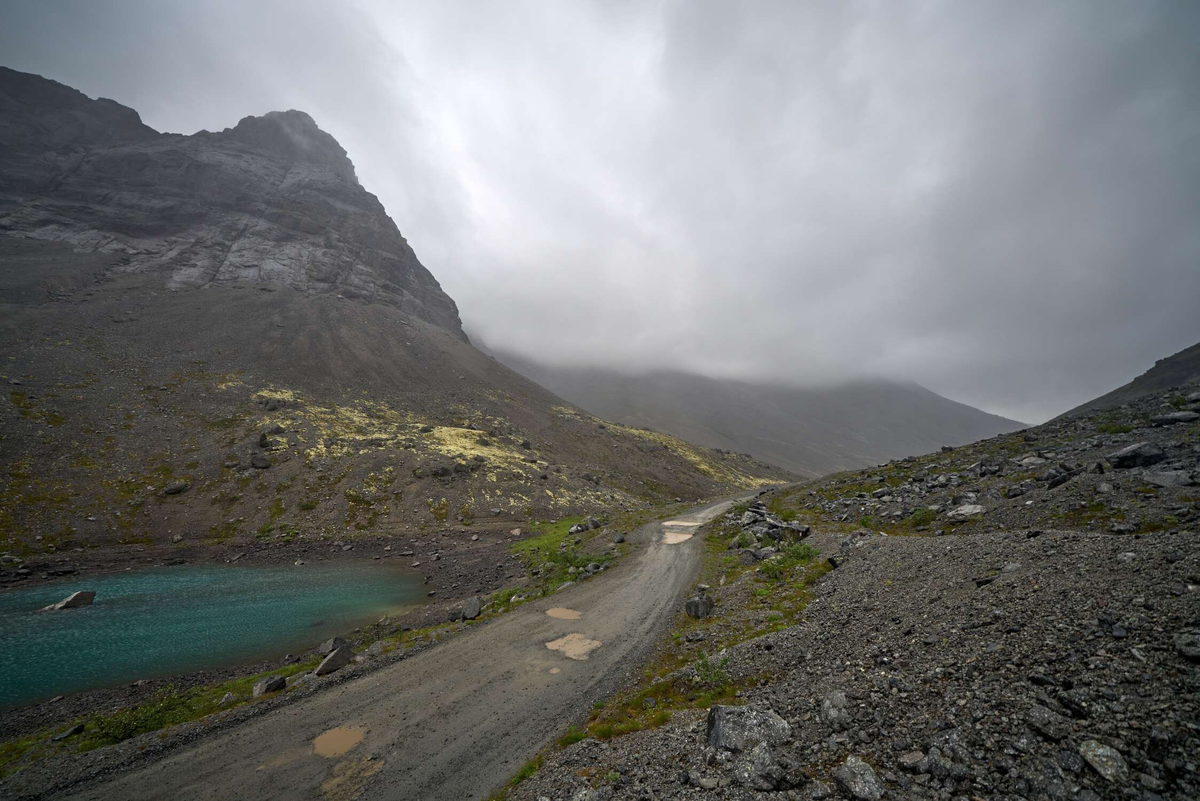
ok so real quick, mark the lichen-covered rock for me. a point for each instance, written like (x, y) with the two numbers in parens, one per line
(740, 728)
(856, 779)
(1106, 761)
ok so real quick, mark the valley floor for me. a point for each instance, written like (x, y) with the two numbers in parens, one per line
(452, 722)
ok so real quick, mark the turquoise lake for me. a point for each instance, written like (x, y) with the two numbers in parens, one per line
(170, 620)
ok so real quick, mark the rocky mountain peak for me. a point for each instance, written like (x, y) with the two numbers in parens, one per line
(37, 111)
(295, 136)
(272, 201)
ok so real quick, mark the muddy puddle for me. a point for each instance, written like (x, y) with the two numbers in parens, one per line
(677, 531)
(574, 646)
(337, 741)
(563, 614)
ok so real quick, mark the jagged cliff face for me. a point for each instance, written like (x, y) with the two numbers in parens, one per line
(273, 200)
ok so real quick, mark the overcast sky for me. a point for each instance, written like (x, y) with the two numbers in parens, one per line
(999, 200)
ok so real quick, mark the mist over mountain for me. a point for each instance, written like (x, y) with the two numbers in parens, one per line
(810, 431)
(644, 480)
(213, 311)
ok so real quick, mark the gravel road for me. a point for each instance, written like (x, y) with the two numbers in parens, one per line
(452, 723)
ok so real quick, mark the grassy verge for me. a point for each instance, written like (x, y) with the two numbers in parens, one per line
(551, 552)
(168, 707)
(684, 676)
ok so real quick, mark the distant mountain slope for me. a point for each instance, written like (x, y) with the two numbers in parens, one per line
(809, 431)
(1174, 371)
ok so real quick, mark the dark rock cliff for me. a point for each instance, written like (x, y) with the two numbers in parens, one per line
(272, 200)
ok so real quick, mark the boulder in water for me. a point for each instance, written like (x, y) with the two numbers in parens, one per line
(72, 601)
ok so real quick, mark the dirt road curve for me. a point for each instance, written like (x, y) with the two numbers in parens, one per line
(456, 721)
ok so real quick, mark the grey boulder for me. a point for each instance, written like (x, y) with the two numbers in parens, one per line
(1140, 454)
(834, 711)
(967, 510)
(270, 684)
(335, 661)
(856, 779)
(1170, 478)
(740, 728)
(1106, 761)
(329, 646)
(1187, 645)
(472, 608)
(759, 770)
(72, 601)
(698, 607)
(1175, 418)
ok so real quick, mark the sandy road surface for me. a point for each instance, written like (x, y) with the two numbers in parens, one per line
(456, 721)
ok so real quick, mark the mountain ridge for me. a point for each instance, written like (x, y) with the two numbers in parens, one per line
(272, 200)
(1177, 370)
(810, 431)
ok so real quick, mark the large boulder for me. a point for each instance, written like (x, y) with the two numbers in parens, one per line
(740, 728)
(1139, 454)
(269, 684)
(1187, 645)
(1175, 418)
(966, 511)
(698, 607)
(472, 608)
(759, 770)
(329, 646)
(72, 601)
(835, 711)
(335, 661)
(1106, 761)
(856, 779)
(1170, 478)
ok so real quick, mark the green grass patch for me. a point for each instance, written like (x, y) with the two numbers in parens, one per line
(552, 551)
(527, 771)
(168, 707)
(574, 734)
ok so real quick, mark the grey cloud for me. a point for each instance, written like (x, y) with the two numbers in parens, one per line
(995, 199)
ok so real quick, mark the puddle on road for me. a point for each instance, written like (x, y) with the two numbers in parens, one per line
(574, 646)
(563, 614)
(337, 741)
(554, 670)
(677, 531)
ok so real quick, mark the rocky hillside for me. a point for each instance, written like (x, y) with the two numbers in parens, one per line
(1174, 371)
(810, 431)
(222, 340)
(273, 201)
(1014, 619)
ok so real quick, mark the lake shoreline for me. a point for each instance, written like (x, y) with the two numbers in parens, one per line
(464, 568)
